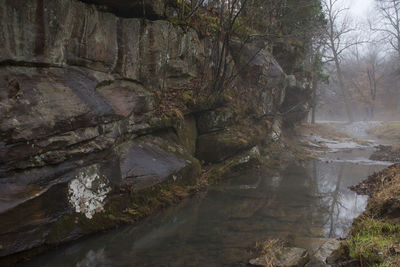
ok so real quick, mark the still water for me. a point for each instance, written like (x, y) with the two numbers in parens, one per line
(217, 228)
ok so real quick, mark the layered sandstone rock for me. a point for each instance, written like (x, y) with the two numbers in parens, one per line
(82, 140)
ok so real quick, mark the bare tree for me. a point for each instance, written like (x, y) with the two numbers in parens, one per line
(374, 62)
(229, 12)
(337, 31)
(387, 26)
(364, 74)
(317, 68)
(388, 23)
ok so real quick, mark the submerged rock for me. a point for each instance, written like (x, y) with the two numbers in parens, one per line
(326, 252)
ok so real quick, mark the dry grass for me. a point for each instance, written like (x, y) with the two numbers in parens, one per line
(390, 131)
(385, 201)
(387, 153)
(300, 149)
(303, 147)
(329, 132)
(268, 248)
(321, 129)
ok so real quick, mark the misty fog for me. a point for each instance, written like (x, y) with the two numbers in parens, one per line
(368, 41)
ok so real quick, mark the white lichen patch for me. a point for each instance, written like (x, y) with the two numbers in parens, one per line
(88, 191)
(276, 130)
(244, 160)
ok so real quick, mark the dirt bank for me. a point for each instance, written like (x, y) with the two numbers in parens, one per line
(387, 131)
(374, 238)
(387, 153)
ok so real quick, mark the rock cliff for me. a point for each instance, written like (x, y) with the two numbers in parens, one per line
(88, 140)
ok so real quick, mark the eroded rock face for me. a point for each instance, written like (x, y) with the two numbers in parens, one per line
(218, 146)
(297, 103)
(169, 56)
(84, 192)
(54, 114)
(215, 120)
(227, 131)
(187, 133)
(59, 32)
(34, 200)
(77, 84)
(32, 35)
(151, 160)
(79, 89)
(154, 9)
(259, 68)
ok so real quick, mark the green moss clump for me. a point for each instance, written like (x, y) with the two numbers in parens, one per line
(188, 98)
(178, 22)
(374, 242)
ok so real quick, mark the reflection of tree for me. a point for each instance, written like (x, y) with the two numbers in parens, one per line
(335, 203)
(327, 188)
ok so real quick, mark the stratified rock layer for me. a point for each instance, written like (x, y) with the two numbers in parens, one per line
(82, 136)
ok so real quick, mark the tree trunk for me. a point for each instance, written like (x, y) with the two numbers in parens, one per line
(314, 100)
(334, 46)
(346, 97)
(183, 10)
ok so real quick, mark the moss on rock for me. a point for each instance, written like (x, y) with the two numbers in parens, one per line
(187, 133)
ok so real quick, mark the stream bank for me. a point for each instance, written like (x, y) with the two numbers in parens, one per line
(374, 238)
(303, 203)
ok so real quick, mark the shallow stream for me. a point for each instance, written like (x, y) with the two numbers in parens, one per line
(301, 204)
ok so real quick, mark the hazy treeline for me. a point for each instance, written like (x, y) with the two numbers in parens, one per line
(369, 65)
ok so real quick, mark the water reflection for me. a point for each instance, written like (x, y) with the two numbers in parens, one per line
(217, 227)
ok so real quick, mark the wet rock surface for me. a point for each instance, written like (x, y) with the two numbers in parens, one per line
(75, 100)
(218, 226)
(80, 90)
(151, 160)
(323, 253)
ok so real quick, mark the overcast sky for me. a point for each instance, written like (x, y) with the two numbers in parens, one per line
(359, 8)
